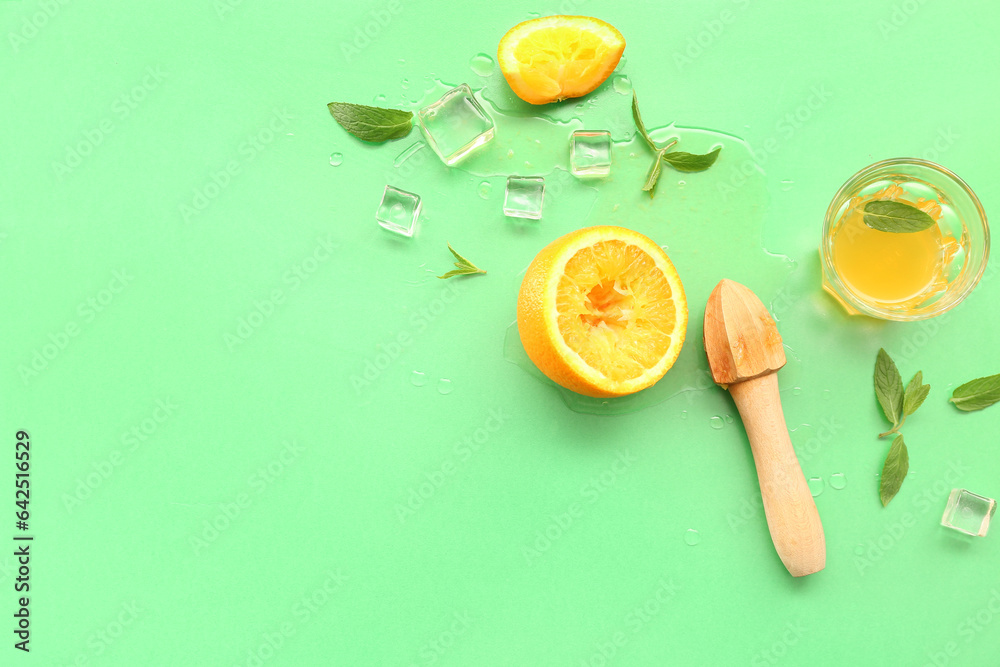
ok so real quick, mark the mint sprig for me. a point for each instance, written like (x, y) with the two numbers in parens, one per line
(464, 266)
(897, 404)
(683, 162)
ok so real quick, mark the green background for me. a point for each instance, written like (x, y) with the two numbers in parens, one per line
(205, 497)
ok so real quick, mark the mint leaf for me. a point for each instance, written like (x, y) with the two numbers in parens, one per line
(897, 464)
(915, 394)
(690, 163)
(465, 267)
(888, 389)
(638, 123)
(373, 124)
(977, 394)
(894, 216)
(653, 174)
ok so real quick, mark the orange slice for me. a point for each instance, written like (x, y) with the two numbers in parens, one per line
(602, 311)
(556, 57)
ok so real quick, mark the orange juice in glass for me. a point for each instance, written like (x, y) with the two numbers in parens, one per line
(931, 259)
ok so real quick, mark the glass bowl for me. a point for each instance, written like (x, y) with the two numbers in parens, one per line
(962, 225)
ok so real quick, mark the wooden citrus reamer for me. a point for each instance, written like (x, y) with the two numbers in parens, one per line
(745, 352)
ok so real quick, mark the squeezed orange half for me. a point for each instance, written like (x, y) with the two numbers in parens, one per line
(556, 57)
(602, 311)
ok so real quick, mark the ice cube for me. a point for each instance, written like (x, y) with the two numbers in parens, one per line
(968, 513)
(455, 125)
(524, 196)
(590, 153)
(398, 211)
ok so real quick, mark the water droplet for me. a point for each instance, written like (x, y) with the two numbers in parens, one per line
(692, 537)
(408, 153)
(621, 63)
(405, 83)
(716, 422)
(827, 394)
(684, 414)
(797, 390)
(533, 15)
(579, 109)
(815, 486)
(787, 185)
(444, 386)
(336, 159)
(838, 480)
(484, 189)
(418, 379)
(682, 183)
(482, 64)
(859, 550)
(379, 99)
(729, 420)
(622, 85)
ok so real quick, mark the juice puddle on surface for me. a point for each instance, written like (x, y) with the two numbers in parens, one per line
(709, 223)
(902, 270)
